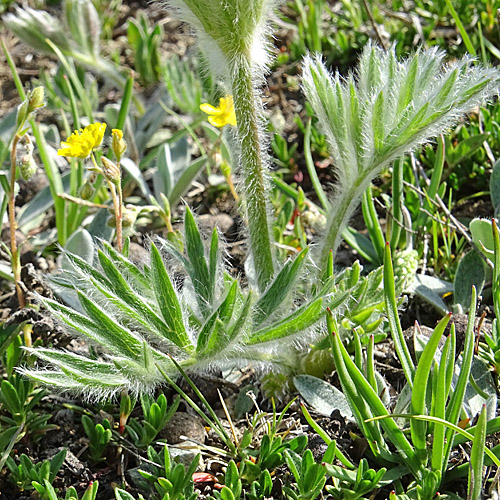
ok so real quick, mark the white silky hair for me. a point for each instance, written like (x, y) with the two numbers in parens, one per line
(225, 28)
(386, 108)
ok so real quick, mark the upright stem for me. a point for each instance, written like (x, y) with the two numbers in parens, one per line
(118, 214)
(15, 257)
(253, 175)
(119, 218)
(337, 219)
(16, 263)
(114, 187)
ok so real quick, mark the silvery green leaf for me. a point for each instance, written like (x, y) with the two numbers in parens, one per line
(482, 236)
(200, 276)
(301, 319)
(495, 186)
(135, 172)
(322, 396)
(431, 289)
(212, 335)
(34, 26)
(186, 179)
(473, 401)
(471, 272)
(80, 243)
(164, 175)
(165, 294)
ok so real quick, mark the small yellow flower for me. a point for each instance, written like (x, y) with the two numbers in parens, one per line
(222, 115)
(118, 144)
(82, 142)
(117, 132)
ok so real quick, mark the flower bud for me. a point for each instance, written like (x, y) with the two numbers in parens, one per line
(36, 99)
(87, 191)
(28, 144)
(27, 167)
(166, 205)
(118, 144)
(129, 216)
(22, 113)
(110, 170)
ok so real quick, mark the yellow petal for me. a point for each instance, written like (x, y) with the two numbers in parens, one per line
(231, 119)
(217, 121)
(208, 109)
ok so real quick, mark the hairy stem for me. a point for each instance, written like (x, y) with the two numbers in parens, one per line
(119, 219)
(337, 220)
(253, 175)
(118, 215)
(15, 258)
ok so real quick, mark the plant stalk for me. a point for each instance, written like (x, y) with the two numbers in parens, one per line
(337, 219)
(118, 214)
(254, 182)
(119, 219)
(15, 258)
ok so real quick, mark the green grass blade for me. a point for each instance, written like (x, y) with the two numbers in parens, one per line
(393, 317)
(318, 188)
(457, 398)
(397, 202)
(124, 107)
(422, 374)
(13, 71)
(214, 258)
(475, 482)
(214, 422)
(441, 396)
(55, 182)
(455, 429)
(357, 403)
(463, 32)
(373, 224)
(377, 407)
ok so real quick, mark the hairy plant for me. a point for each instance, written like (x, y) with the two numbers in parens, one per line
(233, 36)
(142, 318)
(76, 34)
(386, 108)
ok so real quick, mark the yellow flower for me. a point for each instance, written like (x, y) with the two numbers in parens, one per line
(222, 115)
(81, 142)
(117, 132)
(118, 144)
